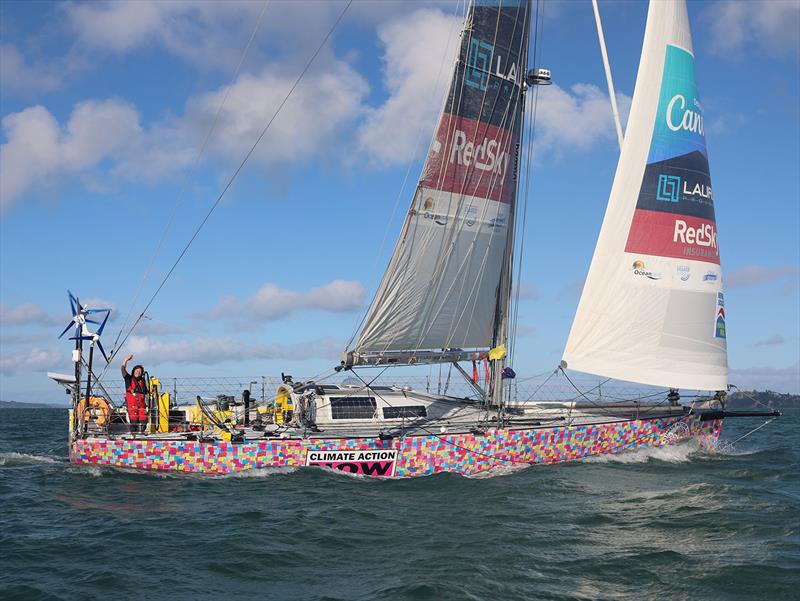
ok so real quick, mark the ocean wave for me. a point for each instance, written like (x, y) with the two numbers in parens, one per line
(681, 452)
(261, 472)
(505, 469)
(13, 459)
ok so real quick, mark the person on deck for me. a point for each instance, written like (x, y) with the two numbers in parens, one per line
(135, 396)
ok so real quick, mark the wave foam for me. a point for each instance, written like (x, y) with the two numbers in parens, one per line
(12, 459)
(673, 453)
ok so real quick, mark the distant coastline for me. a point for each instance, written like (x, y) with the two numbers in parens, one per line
(17, 405)
(755, 398)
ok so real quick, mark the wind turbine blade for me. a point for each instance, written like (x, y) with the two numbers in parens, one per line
(66, 329)
(102, 350)
(102, 326)
(93, 321)
(72, 301)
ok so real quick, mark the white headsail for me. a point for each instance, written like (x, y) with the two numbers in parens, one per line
(652, 309)
(444, 287)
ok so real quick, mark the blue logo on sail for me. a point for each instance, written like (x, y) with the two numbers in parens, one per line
(669, 187)
(679, 126)
(479, 62)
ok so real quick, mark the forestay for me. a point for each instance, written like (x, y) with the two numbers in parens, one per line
(443, 287)
(652, 309)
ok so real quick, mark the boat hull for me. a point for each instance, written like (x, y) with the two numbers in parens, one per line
(400, 457)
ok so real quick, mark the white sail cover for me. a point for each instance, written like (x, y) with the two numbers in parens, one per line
(652, 309)
(441, 288)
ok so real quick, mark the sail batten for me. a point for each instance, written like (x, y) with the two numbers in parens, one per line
(652, 309)
(441, 288)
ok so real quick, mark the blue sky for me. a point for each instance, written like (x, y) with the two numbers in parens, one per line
(105, 106)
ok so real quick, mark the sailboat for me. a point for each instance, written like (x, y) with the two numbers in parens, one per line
(652, 310)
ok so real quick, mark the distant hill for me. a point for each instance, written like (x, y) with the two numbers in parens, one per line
(776, 400)
(16, 405)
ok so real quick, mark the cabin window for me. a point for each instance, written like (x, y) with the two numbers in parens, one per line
(404, 412)
(352, 407)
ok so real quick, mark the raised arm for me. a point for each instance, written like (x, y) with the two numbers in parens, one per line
(124, 367)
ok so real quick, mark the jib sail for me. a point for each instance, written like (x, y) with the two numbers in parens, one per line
(652, 309)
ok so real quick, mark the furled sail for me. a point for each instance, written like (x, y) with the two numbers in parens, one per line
(652, 309)
(443, 287)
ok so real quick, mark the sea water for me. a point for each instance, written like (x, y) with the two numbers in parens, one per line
(669, 523)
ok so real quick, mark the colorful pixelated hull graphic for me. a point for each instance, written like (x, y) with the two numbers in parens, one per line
(415, 455)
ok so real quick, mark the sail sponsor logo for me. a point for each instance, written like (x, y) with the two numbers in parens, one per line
(486, 156)
(668, 188)
(663, 234)
(698, 189)
(673, 188)
(640, 269)
(470, 214)
(719, 321)
(684, 273)
(702, 235)
(479, 60)
(710, 276)
(680, 117)
(679, 127)
(483, 62)
(379, 462)
(428, 212)
(499, 221)
(471, 158)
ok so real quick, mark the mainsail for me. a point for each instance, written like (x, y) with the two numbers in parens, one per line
(447, 283)
(652, 309)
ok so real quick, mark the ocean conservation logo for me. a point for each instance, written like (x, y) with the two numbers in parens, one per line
(640, 270)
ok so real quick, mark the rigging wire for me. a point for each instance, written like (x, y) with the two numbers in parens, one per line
(537, 43)
(233, 177)
(187, 180)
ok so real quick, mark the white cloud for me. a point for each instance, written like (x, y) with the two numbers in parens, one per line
(526, 292)
(214, 350)
(14, 339)
(16, 75)
(755, 275)
(572, 289)
(419, 51)
(36, 359)
(775, 340)
(26, 314)
(104, 142)
(202, 32)
(772, 24)
(779, 379)
(575, 119)
(525, 330)
(213, 34)
(310, 123)
(271, 302)
(39, 151)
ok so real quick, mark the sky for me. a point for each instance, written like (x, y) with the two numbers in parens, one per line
(121, 123)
